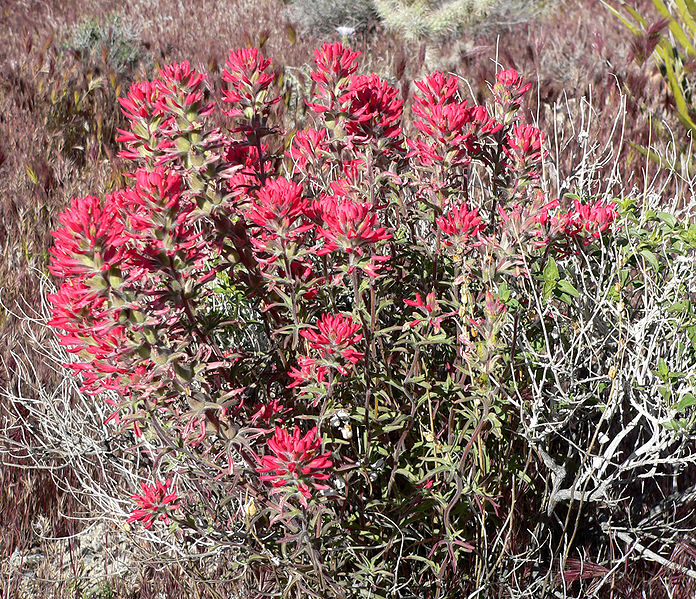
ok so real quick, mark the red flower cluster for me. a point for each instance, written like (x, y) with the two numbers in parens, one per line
(158, 218)
(181, 92)
(308, 373)
(91, 241)
(374, 111)
(508, 92)
(307, 148)
(524, 149)
(277, 208)
(297, 461)
(587, 221)
(154, 272)
(335, 65)
(337, 335)
(157, 501)
(160, 111)
(452, 129)
(247, 72)
(460, 223)
(346, 225)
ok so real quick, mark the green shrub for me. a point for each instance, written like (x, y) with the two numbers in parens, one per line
(324, 16)
(112, 40)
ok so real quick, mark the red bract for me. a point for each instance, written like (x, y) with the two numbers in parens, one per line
(297, 461)
(159, 217)
(181, 91)
(460, 222)
(141, 101)
(436, 89)
(337, 335)
(430, 309)
(452, 129)
(593, 219)
(335, 65)
(307, 148)
(243, 168)
(347, 225)
(91, 241)
(524, 149)
(308, 372)
(156, 501)
(246, 71)
(508, 91)
(277, 208)
(373, 110)
(143, 109)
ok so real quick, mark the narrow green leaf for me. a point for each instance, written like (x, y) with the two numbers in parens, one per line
(32, 175)
(547, 289)
(685, 14)
(674, 27)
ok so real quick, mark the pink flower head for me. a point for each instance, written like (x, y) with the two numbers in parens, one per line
(89, 327)
(149, 125)
(159, 217)
(308, 371)
(337, 335)
(156, 502)
(277, 207)
(587, 221)
(296, 461)
(524, 149)
(508, 90)
(347, 225)
(460, 223)
(159, 189)
(181, 90)
(335, 64)
(246, 71)
(436, 89)
(511, 79)
(374, 109)
(91, 240)
(452, 129)
(306, 148)
(141, 101)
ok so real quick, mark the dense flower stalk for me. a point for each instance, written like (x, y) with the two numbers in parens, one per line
(296, 462)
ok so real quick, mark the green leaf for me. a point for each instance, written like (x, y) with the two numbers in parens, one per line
(685, 402)
(651, 258)
(548, 288)
(674, 27)
(551, 270)
(667, 218)
(566, 287)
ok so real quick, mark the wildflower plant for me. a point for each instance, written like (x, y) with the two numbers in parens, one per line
(401, 277)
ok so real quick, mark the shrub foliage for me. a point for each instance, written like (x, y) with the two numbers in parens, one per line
(374, 359)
